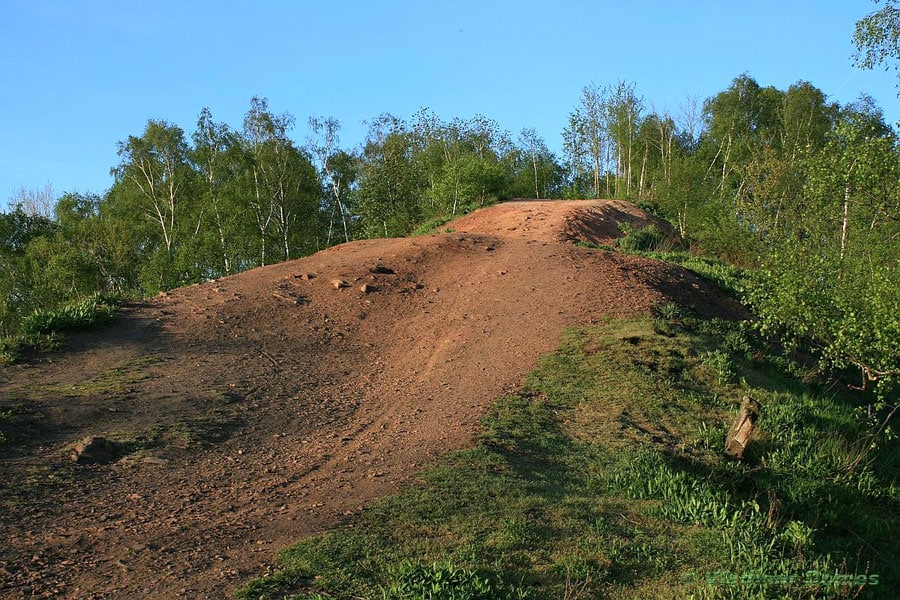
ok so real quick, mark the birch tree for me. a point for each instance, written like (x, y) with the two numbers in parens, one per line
(877, 39)
(586, 139)
(335, 167)
(284, 183)
(155, 172)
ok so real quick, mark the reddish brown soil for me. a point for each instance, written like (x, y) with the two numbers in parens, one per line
(270, 405)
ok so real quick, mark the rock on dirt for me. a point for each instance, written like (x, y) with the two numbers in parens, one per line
(94, 450)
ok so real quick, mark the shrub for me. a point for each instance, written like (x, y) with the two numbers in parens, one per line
(81, 315)
(640, 240)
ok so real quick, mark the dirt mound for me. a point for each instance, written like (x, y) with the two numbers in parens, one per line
(267, 406)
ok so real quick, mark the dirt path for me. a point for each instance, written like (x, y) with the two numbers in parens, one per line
(270, 405)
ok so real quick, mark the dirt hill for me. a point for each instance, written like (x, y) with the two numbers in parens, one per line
(264, 407)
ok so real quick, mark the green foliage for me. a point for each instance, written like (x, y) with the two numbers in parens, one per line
(832, 284)
(645, 239)
(41, 330)
(877, 38)
(443, 581)
(728, 277)
(430, 226)
(720, 362)
(87, 314)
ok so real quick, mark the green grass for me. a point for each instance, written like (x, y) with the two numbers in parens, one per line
(431, 226)
(85, 314)
(729, 278)
(605, 477)
(41, 331)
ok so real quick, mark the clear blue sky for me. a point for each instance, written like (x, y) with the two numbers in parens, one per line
(77, 77)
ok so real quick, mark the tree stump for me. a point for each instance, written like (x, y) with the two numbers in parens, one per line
(742, 429)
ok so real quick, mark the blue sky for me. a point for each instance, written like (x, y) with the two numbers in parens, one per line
(77, 77)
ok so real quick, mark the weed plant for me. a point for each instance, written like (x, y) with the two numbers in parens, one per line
(41, 331)
(605, 477)
(86, 314)
(430, 226)
(640, 239)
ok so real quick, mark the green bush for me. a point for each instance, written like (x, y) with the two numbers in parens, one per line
(41, 330)
(86, 314)
(640, 240)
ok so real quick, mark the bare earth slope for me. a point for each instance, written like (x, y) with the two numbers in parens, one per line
(269, 405)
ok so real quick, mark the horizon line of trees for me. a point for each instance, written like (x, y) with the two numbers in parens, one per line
(804, 191)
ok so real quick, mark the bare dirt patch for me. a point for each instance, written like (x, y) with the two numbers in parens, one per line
(260, 408)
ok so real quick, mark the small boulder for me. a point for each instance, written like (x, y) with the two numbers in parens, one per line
(339, 283)
(95, 450)
(367, 288)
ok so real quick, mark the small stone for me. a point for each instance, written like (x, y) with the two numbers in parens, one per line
(367, 288)
(95, 449)
(339, 283)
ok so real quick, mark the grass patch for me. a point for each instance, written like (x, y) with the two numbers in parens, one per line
(86, 314)
(431, 225)
(41, 331)
(730, 278)
(640, 239)
(192, 432)
(605, 478)
(114, 382)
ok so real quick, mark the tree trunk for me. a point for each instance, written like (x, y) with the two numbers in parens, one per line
(847, 191)
(643, 171)
(742, 429)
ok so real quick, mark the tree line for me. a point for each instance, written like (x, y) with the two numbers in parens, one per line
(804, 191)
(185, 208)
